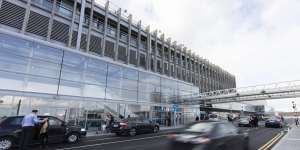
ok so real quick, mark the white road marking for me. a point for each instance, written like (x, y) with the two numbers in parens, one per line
(91, 145)
(101, 139)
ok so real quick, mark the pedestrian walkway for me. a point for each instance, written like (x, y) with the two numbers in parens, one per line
(101, 133)
(291, 141)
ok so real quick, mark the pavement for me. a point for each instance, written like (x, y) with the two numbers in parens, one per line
(158, 141)
(291, 141)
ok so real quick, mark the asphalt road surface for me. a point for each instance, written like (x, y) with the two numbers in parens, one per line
(258, 137)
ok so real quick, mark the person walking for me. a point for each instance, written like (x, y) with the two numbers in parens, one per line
(44, 134)
(28, 123)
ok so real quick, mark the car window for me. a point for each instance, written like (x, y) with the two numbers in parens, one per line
(16, 121)
(200, 127)
(146, 121)
(225, 129)
(54, 122)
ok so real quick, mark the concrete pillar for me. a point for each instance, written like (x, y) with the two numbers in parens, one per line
(148, 57)
(118, 34)
(162, 38)
(139, 42)
(105, 28)
(129, 38)
(72, 24)
(90, 26)
(155, 52)
(1, 3)
(27, 12)
(81, 19)
(169, 56)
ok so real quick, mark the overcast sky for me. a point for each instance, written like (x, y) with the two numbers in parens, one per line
(256, 40)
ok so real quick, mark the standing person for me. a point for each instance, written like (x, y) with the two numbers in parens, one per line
(197, 119)
(28, 123)
(255, 119)
(297, 121)
(44, 134)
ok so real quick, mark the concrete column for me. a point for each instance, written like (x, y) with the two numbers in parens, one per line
(179, 48)
(1, 3)
(105, 28)
(118, 34)
(90, 26)
(129, 38)
(155, 52)
(139, 42)
(148, 57)
(169, 56)
(81, 19)
(72, 24)
(27, 12)
(162, 37)
(51, 20)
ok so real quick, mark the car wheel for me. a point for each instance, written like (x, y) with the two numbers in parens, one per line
(155, 129)
(73, 138)
(6, 143)
(132, 132)
(118, 134)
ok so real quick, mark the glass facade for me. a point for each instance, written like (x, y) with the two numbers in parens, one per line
(81, 89)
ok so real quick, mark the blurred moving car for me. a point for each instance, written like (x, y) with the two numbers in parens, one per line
(244, 122)
(58, 131)
(274, 122)
(133, 126)
(209, 135)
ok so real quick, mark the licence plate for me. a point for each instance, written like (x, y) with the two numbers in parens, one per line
(115, 125)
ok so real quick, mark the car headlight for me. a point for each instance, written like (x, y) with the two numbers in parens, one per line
(82, 130)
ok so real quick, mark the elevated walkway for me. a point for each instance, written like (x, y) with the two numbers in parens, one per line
(287, 89)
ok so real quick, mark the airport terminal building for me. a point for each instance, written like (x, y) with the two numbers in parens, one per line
(80, 60)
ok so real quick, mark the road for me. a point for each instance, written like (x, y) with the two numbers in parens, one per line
(258, 137)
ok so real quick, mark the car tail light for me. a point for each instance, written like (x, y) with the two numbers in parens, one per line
(171, 136)
(201, 140)
(123, 125)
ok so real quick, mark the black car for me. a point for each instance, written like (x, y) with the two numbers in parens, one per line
(274, 122)
(133, 126)
(58, 131)
(209, 135)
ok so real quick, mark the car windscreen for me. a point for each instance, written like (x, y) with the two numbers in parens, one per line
(200, 127)
(244, 119)
(2, 119)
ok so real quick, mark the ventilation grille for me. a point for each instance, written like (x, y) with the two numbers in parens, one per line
(12, 15)
(109, 49)
(122, 53)
(95, 44)
(143, 60)
(60, 32)
(37, 24)
(132, 57)
(74, 39)
(83, 41)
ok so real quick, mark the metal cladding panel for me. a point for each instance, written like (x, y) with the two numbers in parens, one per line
(122, 53)
(38, 24)
(12, 15)
(60, 32)
(109, 49)
(132, 57)
(83, 41)
(95, 44)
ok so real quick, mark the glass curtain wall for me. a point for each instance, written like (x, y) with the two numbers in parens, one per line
(95, 88)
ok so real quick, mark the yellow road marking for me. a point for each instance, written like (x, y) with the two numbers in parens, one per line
(271, 142)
